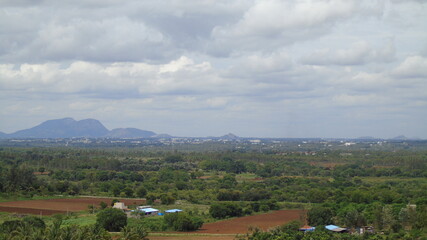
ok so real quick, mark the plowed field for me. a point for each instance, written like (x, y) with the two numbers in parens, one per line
(237, 226)
(53, 206)
(241, 225)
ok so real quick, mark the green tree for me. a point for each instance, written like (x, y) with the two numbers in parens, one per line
(183, 222)
(111, 219)
(320, 216)
(141, 192)
(224, 210)
(174, 159)
(103, 205)
(167, 199)
(128, 192)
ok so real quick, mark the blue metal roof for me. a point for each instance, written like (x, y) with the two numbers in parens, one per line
(148, 210)
(173, 210)
(331, 227)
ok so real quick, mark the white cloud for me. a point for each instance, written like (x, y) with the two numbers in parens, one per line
(103, 79)
(273, 23)
(412, 67)
(257, 67)
(359, 53)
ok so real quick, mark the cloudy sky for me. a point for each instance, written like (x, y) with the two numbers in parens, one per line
(267, 68)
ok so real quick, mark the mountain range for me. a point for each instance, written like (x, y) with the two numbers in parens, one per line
(69, 128)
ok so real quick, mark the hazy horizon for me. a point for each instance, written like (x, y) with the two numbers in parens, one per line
(284, 69)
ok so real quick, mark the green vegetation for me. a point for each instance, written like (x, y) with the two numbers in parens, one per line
(111, 219)
(383, 187)
(182, 222)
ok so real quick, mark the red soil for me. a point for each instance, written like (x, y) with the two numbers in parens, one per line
(241, 225)
(228, 229)
(195, 237)
(53, 206)
(33, 211)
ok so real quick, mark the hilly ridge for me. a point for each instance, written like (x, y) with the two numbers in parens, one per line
(129, 133)
(68, 128)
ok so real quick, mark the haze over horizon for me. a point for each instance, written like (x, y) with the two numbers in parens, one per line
(343, 68)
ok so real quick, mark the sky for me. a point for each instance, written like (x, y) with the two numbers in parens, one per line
(255, 68)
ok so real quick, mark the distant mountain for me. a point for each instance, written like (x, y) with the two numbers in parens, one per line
(64, 128)
(229, 136)
(366, 138)
(69, 128)
(162, 135)
(130, 133)
(3, 135)
(400, 137)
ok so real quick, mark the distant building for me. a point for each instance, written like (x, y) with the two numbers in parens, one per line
(334, 228)
(173, 211)
(121, 206)
(307, 228)
(149, 211)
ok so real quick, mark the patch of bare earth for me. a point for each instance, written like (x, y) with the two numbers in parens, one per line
(63, 205)
(228, 229)
(241, 225)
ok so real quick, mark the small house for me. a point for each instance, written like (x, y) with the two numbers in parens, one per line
(149, 211)
(334, 228)
(307, 228)
(173, 211)
(121, 206)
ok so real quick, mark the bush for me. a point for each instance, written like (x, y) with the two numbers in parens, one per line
(182, 222)
(134, 233)
(35, 222)
(111, 219)
(224, 210)
(103, 205)
(12, 225)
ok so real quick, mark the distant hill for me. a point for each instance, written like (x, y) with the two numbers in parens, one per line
(64, 128)
(163, 135)
(366, 138)
(400, 137)
(130, 133)
(229, 136)
(68, 128)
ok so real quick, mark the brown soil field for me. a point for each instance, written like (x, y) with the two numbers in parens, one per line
(241, 225)
(194, 237)
(63, 205)
(33, 211)
(227, 229)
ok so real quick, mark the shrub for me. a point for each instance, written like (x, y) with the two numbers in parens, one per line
(182, 222)
(103, 205)
(35, 222)
(9, 226)
(224, 210)
(134, 233)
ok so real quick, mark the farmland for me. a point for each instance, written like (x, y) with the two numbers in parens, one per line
(55, 206)
(228, 229)
(240, 225)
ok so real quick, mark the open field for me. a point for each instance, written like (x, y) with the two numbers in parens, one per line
(62, 205)
(192, 237)
(241, 224)
(228, 229)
